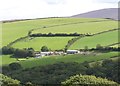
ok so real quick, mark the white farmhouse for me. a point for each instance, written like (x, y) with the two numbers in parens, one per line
(72, 51)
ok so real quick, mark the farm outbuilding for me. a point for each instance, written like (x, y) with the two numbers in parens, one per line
(72, 51)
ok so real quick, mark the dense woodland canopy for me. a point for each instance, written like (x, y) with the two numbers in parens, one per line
(59, 72)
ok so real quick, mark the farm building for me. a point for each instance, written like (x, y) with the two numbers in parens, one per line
(72, 51)
(58, 53)
(46, 53)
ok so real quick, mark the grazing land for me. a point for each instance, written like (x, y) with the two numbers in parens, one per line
(50, 50)
(18, 29)
(15, 30)
(82, 28)
(54, 43)
(103, 39)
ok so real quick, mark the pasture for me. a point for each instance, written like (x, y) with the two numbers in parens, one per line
(6, 59)
(14, 30)
(82, 28)
(103, 39)
(54, 43)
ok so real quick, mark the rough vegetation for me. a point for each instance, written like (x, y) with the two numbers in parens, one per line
(59, 72)
(87, 80)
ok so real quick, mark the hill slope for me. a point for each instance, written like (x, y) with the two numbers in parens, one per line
(103, 13)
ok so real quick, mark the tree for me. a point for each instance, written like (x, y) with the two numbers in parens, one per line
(31, 53)
(15, 66)
(86, 48)
(44, 49)
(20, 53)
(7, 50)
(87, 80)
(99, 47)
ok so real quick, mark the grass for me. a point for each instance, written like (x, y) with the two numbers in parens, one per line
(91, 41)
(14, 30)
(82, 28)
(68, 58)
(54, 43)
(6, 59)
(92, 64)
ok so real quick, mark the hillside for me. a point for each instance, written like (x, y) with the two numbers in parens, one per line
(16, 30)
(111, 13)
(108, 37)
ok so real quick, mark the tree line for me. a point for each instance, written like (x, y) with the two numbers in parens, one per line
(55, 34)
(104, 48)
(18, 53)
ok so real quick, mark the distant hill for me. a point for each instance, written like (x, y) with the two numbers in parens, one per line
(111, 13)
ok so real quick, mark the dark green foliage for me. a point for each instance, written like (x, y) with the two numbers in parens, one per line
(7, 50)
(105, 49)
(44, 49)
(15, 66)
(54, 35)
(19, 53)
(59, 72)
(70, 42)
(87, 80)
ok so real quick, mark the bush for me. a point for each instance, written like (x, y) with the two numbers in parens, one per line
(15, 66)
(7, 81)
(86, 80)
(44, 49)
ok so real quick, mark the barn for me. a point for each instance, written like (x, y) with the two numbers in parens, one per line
(72, 51)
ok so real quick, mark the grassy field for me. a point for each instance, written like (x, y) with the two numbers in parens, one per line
(91, 41)
(14, 30)
(53, 43)
(6, 59)
(87, 27)
(68, 58)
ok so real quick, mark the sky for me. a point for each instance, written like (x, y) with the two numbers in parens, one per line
(25, 9)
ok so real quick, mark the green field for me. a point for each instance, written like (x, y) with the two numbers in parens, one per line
(68, 58)
(14, 30)
(103, 39)
(82, 28)
(53, 43)
(6, 59)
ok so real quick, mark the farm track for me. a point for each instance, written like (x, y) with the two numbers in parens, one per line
(30, 31)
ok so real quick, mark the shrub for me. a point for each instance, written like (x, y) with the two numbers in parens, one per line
(7, 81)
(86, 80)
(15, 66)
